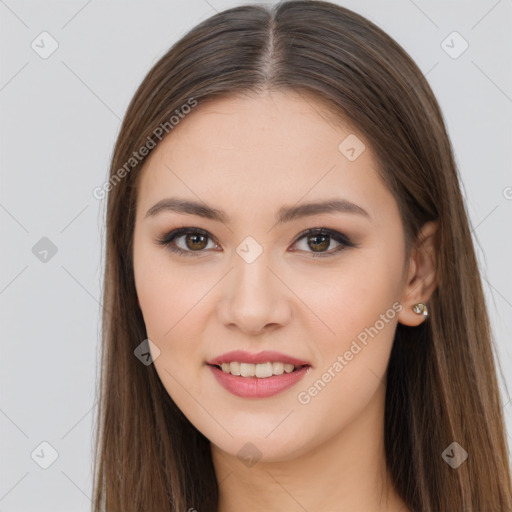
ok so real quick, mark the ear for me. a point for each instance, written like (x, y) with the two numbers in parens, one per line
(421, 280)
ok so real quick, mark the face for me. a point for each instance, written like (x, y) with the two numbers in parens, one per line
(323, 287)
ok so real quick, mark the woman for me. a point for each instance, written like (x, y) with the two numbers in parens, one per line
(294, 318)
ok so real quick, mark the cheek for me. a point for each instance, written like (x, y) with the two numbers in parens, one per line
(175, 307)
(166, 294)
(151, 283)
(358, 303)
(352, 297)
(353, 362)
(170, 301)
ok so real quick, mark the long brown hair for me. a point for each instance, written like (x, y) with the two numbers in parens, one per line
(441, 382)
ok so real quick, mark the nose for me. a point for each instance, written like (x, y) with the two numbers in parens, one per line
(254, 298)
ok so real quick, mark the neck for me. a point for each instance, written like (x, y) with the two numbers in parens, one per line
(347, 472)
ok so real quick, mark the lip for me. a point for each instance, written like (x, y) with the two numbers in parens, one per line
(242, 356)
(254, 387)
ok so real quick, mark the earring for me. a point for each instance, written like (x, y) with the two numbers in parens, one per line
(420, 309)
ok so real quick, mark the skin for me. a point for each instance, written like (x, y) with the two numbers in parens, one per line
(249, 156)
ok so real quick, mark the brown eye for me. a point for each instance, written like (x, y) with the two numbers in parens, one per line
(195, 240)
(318, 241)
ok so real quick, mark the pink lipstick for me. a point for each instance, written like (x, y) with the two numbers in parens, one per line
(260, 375)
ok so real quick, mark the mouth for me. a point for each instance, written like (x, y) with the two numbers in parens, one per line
(261, 365)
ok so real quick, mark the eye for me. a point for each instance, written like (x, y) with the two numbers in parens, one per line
(320, 238)
(195, 240)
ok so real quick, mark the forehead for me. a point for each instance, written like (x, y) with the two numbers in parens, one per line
(266, 148)
(256, 122)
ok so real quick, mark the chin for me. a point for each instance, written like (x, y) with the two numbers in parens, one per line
(262, 448)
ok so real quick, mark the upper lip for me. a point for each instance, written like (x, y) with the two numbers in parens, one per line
(242, 356)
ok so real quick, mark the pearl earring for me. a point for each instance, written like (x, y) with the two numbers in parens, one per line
(420, 309)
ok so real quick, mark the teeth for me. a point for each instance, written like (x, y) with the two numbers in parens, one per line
(261, 370)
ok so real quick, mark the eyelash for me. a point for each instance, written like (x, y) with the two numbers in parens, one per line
(168, 239)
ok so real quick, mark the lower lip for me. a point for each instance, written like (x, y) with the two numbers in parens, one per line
(254, 387)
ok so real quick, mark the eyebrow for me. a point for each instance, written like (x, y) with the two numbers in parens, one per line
(285, 214)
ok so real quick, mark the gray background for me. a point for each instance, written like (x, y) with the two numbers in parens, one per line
(59, 120)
